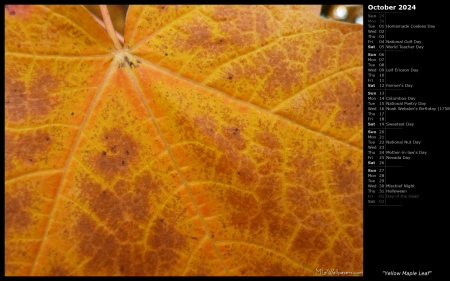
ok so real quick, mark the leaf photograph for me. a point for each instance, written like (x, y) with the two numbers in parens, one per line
(213, 140)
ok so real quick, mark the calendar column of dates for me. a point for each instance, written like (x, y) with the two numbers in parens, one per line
(406, 140)
(404, 110)
(375, 111)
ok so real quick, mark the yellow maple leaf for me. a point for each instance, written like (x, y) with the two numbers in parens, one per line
(220, 140)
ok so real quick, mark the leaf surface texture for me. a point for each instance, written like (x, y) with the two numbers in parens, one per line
(222, 140)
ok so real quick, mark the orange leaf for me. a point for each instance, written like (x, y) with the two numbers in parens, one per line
(222, 140)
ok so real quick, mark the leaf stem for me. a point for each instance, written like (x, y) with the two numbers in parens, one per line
(109, 26)
(119, 36)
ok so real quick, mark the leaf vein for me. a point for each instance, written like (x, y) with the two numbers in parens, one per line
(165, 70)
(166, 25)
(80, 28)
(287, 257)
(341, 71)
(172, 157)
(50, 56)
(77, 140)
(259, 49)
(33, 173)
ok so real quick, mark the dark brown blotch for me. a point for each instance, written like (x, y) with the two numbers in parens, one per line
(98, 244)
(15, 98)
(269, 140)
(121, 153)
(244, 207)
(125, 200)
(17, 216)
(200, 35)
(164, 235)
(33, 100)
(234, 136)
(304, 171)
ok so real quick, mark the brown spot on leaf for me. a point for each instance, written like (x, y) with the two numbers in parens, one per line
(271, 208)
(167, 241)
(17, 216)
(356, 236)
(133, 260)
(96, 243)
(91, 236)
(26, 148)
(234, 136)
(125, 200)
(347, 96)
(309, 240)
(164, 235)
(343, 252)
(59, 271)
(32, 100)
(247, 170)
(244, 207)
(350, 207)
(270, 269)
(269, 140)
(15, 102)
(347, 177)
(236, 23)
(199, 35)
(107, 206)
(84, 226)
(206, 124)
(119, 146)
(227, 163)
(233, 159)
(40, 89)
(318, 61)
(350, 113)
(147, 183)
(282, 79)
(305, 171)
